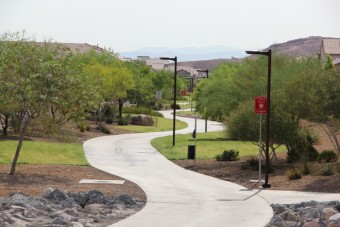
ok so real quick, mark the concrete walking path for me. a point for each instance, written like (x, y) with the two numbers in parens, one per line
(176, 196)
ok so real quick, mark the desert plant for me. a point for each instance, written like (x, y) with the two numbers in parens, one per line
(294, 173)
(228, 155)
(328, 156)
(326, 169)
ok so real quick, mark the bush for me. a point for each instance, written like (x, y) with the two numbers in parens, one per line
(83, 126)
(109, 121)
(294, 173)
(104, 129)
(328, 156)
(305, 167)
(178, 107)
(228, 155)
(253, 162)
(123, 121)
(301, 147)
(327, 170)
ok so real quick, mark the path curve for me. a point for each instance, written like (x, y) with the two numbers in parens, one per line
(175, 196)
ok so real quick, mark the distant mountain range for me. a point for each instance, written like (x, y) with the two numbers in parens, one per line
(188, 53)
(210, 57)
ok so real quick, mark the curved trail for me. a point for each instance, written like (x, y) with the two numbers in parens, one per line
(175, 196)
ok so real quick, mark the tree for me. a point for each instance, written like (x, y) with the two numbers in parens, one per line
(34, 79)
(111, 78)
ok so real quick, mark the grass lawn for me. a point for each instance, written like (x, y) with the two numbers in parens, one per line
(164, 124)
(207, 147)
(35, 152)
(187, 113)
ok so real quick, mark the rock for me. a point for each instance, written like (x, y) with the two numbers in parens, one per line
(58, 221)
(328, 212)
(306, 214)
(59, 208)
(142, 120)
(71, 211)
(76, 224)
(56, 195)
(309, 213)
(334, 224)
(126, 199)
(335, 217)
(313, 223)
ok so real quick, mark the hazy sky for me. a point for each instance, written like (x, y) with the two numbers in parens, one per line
(125, 25)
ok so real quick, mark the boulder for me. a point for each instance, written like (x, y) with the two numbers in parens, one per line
(142, 120)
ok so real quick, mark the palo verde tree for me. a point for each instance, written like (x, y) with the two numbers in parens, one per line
(38, 80)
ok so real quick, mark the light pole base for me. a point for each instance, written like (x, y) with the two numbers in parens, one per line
(266, 185)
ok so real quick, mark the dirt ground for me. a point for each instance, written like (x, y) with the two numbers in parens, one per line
(34, 179)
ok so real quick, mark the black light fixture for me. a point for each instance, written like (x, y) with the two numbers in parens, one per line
(175, 81)
(269, 55)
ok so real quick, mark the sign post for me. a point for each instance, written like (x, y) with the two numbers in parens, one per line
(260, 108)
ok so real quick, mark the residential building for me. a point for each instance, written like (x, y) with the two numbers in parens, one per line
(331, 47)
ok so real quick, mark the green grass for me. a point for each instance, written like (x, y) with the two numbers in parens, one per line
(164, 124)
(34, 152)
(184, 113)
(207, 147)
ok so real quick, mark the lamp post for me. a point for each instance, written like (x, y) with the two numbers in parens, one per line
(175, 79)
(269, 55)
(206, 118)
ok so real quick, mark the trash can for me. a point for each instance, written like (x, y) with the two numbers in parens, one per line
(191, 152)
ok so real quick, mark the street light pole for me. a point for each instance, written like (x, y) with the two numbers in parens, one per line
(206, 118)
(269, 55)
(175, 85)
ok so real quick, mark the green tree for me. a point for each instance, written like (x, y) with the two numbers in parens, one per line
(37, 80)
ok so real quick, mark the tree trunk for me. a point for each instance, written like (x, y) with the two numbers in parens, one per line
(332, 136)
(120, 106)
(114, 110)
(5, 125)
(21, 139)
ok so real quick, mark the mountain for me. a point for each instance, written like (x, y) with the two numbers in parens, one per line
(299, 47)
(296, 48)
(188, 53)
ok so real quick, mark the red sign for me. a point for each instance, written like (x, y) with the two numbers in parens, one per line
(261, 104)
(183, 92)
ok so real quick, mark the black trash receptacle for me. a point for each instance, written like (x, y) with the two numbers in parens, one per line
(191, 152)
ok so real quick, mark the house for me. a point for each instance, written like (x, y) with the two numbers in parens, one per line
(331, 47)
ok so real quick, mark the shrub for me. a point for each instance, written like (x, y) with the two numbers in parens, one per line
(83, 126)
(178, 107)
(104, 129)
(327, 170)
(109, 121)
(123, 121)
(253, 162)
(228, 155)
(294, 173)
(328, 156)
(305, 167)
(301, 147)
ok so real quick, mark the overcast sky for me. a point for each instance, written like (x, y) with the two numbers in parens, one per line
(125, 25)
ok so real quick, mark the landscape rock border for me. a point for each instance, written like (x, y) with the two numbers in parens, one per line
(62, 208)
(306, 214)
